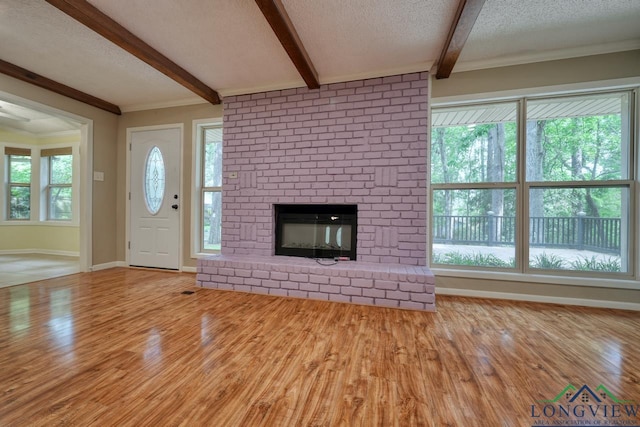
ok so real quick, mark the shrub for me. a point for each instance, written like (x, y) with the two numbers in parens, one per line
(595, 264)
(549, 261)
(474, 259)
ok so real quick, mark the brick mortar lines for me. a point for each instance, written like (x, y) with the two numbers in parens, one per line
(380, 290)
(361, 142)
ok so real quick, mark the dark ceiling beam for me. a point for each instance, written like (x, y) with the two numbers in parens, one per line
(102, 24)
(466, 15)
(277, 17)
(43, 82)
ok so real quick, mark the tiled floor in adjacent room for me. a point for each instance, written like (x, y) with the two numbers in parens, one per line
(16, 269)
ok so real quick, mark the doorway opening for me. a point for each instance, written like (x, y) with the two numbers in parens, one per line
(46, 191)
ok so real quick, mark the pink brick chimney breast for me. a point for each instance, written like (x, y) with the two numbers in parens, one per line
(362, 142)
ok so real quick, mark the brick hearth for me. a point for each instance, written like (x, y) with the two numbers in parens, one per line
(388, 285)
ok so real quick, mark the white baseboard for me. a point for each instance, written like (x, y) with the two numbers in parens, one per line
(538, 298)
(115, 264)
(108, 265)
(38, 251)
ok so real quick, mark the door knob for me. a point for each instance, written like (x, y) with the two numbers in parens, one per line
(174, 207)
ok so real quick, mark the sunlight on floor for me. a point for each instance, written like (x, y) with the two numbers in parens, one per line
(16, 269)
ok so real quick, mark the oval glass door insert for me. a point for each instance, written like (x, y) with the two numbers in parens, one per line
(154, 177)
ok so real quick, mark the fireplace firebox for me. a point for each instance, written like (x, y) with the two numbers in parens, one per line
(316, 231)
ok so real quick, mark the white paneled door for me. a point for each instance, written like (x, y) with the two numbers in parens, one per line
(155, 198)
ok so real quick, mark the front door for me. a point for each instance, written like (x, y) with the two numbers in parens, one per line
(155, 198)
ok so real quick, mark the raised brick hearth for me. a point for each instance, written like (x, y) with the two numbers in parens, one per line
(385, 285)
(358, 143)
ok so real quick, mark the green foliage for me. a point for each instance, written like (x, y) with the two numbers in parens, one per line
(566, 140)
(542, 261)
(212, 157)
(582, 148)
(555, 262)
(585, 148)
(61, 169)
(473, 259)
(60, 192)
(20, 196)
(60, 203)
(20, 202)
(212, 200)
(547, 261)
(594, 264)
(460, 153)
(20, 169)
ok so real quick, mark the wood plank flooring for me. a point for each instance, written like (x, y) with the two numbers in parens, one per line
(125, 347)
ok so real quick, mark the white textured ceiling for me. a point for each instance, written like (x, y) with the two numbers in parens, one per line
(229, 46)
(509, 32)
(40, 38)
(24, 119)
(371, 38)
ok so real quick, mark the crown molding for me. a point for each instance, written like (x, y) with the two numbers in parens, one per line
(551, 55)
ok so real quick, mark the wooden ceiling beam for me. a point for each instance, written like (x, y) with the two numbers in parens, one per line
(278, 19)
(92, 17)
(465, 18)
(43, 82)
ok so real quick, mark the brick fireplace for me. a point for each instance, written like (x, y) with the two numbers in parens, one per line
(358, 143)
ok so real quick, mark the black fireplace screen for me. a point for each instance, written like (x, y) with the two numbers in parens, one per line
(316, 231)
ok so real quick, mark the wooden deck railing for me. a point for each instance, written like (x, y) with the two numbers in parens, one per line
(578, 232)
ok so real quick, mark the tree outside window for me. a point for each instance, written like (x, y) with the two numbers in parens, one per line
(59, 188)
(19, 183)
(555, 196)
(211, 194)
(577, 173)
(473, 176)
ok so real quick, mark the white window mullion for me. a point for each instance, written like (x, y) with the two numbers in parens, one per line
(522, 204)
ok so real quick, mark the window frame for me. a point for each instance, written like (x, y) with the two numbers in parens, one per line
(514, 185)
(522, 271)
(11, 152)
(50, 186)
(198, 186)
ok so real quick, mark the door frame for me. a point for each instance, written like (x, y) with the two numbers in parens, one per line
(130, 131)
(85, 176)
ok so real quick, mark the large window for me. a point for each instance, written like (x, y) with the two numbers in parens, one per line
(209, 185)
(537, 185)
(473, 175)
(58, 168)
(18, 183)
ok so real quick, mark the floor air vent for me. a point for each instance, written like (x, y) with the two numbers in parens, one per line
(187, 292)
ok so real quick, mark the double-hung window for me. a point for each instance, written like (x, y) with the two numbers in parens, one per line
(208, 218)
(538, 185)
(578, 183)
(18, 183)
(58, 169)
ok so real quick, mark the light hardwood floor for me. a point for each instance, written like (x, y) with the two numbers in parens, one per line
(125, 347)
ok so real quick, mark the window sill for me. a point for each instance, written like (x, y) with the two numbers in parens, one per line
(198, 255)
(629, 283)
